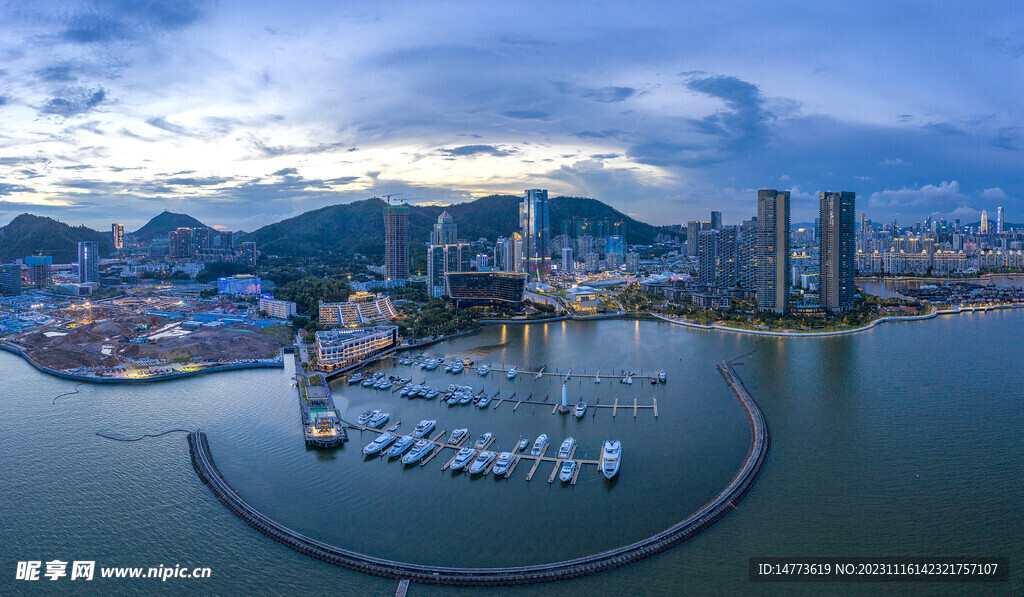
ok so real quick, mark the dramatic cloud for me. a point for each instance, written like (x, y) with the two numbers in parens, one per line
(72, 101)
(468, 150)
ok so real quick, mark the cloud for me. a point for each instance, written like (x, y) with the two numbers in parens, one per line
(1011, 46)
(4, 99)
(605, 156)
(607, 133)
(116, 20)
(527, 114)
(72, 101)
(286, 172)
(170, 127)
(945, 195)
(471, 150)
(58, 73)
(994, 194)
(7, 188)
(610, 94)
(893, 162)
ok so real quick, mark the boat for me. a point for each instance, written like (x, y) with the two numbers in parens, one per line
(565, 450)
(481, 442)
(483, 370)
(358, 377)
(407, 390)
(423, 427)
(431, 394)
(504, 463)
(466, 397)
(627, 380)
(457, 368)
(597, 378)
(418, 451)
(431, 365)
(484, 401)
(464, 457)
(610, 458)
(467, 362)
(654, 380)
(482, 462)
(661, 376)
(394, 428)
(539, 445)
(568, 470)
(379, 419)
(386, 385)
(383, 440)
(522, 444)
(580, 410)
(448, 367)
(369, 382)
(454, 399)
(404, 443)
(511, 373)
(423, 391)
(366, 416)
(457, 435)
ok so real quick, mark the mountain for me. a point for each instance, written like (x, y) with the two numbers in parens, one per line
(358, 227)
(162, 224)
(28, 235)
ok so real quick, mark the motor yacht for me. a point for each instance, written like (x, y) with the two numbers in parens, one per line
(522, 444)
(464, 457)
(580, 410)
(565, 450)
(379, 419)
(483, 370)
(466, 398)
(457, 368)
(423, 427)
(661, 376)
(366, 416)
(481, 442)
(539, 445)
(431, 394)
(512, 373)
(383, 440)
(457, 435)
(404, 443)
(482, 462)
(358, 377)
(484, 401)
(504, 462)
(568, 470)
(611, 456)
(448, 367)
(421, 449)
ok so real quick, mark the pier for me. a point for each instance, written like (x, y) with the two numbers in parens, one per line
(704, 517)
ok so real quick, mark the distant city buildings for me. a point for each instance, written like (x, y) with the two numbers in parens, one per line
(773, 274)
(277, 309)
(446, 254)
(240, 285)
(88, 262)
(837, 255)
(396, 241)
(117, 235)
(247, 254)
(38, 270)
(535, 227)
(10, 279)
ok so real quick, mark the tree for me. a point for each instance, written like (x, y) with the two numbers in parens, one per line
(308, 291)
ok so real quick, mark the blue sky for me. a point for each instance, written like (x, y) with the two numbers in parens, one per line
(243, 114)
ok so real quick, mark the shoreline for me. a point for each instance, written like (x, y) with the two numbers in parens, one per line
(934, 278)
(155, 378)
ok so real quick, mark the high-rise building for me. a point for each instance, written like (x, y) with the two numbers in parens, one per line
(838, 252)
(536, 231)
(247, 253)
(117, 235)
(88, 261)
(202, 239)
(983, 229)
(568, 263)
(999, 220)
(632, 262)
(445, 231)
(445, 253)
(747, 254)
(707, 255)
(716, 220)
(10, 279)
(38, 270)
(728, 256)
(773, 270)
(396, 241)
(614, 244)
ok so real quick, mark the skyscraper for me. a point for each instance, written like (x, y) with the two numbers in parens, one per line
(247, 253)
(181, 243)
(692, 229)
(773, 272)
(117, 234)
(445, 253)
(716, 220)
(747, 254)
(38, 270)
(396, 241)
(568, 262)
(838, 250)
(999, 220)
(707, 255)
(984, 222)
(445, 230)
(536, 230)
(88, 261)
(728, 254)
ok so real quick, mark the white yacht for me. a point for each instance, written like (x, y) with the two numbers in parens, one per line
(431, 394)
(358, 377)
(404, 443)
(448, 367)
(464, 457)
(458, 367)
(661, 376)
(366, 416)
(580, 410)
(522, 444)
(512, 373)
(482, 462)
(504, 462)
(421, 449)
(611, 456)
(568, 470)
(566, 448)
(423, 427)
(457, 435)
(539, 445)
(383, 440)
(483, 370)
(484, 401)
(481, 442)
(379, 419)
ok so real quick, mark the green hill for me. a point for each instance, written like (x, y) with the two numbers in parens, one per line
(28, 235)
(162, 224)
(358, 227)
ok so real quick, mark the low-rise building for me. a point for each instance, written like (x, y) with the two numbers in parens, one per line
(344, 347)
(277, 309)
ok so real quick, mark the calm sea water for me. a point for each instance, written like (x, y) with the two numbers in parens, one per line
(889, 288)
(903, 440)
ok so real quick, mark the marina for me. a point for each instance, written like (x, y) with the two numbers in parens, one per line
(321, 423)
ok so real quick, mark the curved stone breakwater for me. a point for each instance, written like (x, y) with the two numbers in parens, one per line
(703, 518)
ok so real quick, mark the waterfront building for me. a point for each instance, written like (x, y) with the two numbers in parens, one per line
(583, 300)
(361, 308)
(38, 270)
(247, 254)
(10, 279)
(568, 263)
(117, 235)
(837, 253)
(277, 309)
(707, 255)
(240, 285)
(88, 262)
(470, 289)
(773, 269)
(747, 254)
(396, 241)
(535, 227)
(345, 347)
(727, 271)
(999, 220)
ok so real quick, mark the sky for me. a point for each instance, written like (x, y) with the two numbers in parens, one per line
(245, 113)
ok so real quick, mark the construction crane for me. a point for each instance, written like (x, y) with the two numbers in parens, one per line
(388, 197)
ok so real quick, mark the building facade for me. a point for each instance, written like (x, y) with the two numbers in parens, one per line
(88, 262)
(837, 257)
(341, 348)
(535, 227)
(469, 289)
(396, 242)
(38, 270)
(277, 309)
(117, 235)
(10, 279)
(773, 271)
(242, 285)
(247, 254)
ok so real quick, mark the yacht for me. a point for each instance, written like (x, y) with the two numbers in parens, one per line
(430, 366)
(424, 427)
(431, 394)
(457, 435)
(482, 462)
(383, 440)
(448, 367)
(454, 398)
(467, 362)
(539, 445)
(484, 401)
(661, 376)
(654, 380)
(379, 419)
(366, 416)
(580, 410)
(512, 373)
(522, 444)
(421, 449)
(597, 378)
(464, 457)
(386, 385)
(404, 443)
(358, 377)
(610, 458)
(369, 382)
(466, 398)
(458, 368)
(407, 390)
(565, 450)
(481, 442)
(504, 462)
(483, 370)
(568, 470)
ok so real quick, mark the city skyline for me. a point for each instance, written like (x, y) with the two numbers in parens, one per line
(199, 110)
